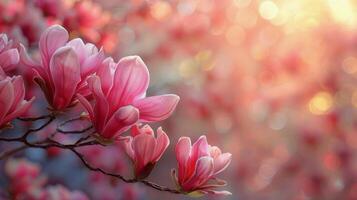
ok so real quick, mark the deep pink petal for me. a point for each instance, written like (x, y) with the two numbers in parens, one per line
(162, 142)
(101, 107)
(131, 79)
(92, 63)
(9, 59)
(121, 121)
(156, 108)
(65, 73)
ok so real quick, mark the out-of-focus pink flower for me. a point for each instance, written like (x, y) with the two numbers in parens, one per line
(25, 179)
(144, 149)
(9, 56)
(64, 66)
(12, 103)
(198, 166)
(59, 192)
(119, 90)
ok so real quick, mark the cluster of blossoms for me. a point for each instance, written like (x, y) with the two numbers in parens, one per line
(114, 97)
(27, 182)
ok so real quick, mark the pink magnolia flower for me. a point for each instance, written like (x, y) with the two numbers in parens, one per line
(12, 103)
(198, 166)
(119, 91)
(9, 56)
(64, 66)
(144, 149)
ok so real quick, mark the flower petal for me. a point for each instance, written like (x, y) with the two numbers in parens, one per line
(6, 97)
(144, 147)
(222, 162)
(203, 171)
(106, 73)
(126, 143)
(19, 91)
(52, 38)
(156, 108)
(131, 79)
(101, 107)
(20, 109)
(65, 72)
(162, 142)
(183, 151)
(9, 59)
(121, 121)
(85, 103)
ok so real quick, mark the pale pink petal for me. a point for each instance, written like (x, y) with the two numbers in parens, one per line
(214, 151)
(19, 91)
(78, 45)
(92, 63)
(222, 162)
(203, 171)
(126, 143)
(156, 108)
(183, 151)
(9, 59)
(214, 192)
(101, 107)
(199, 149)
(2, 74)
(106, 73)
(6, 97)
(65, 73)
(85, 103)
(131, 79)
(20, 110)
(53, 38)
(162, 142)
(121, 121)
(144, 147)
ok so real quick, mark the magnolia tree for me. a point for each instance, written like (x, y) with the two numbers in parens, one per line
(112, 99)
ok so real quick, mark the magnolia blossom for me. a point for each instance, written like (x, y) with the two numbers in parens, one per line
(119, 91)
(64, 66)
(144, 149)
(198, 166)
(12, 103)
(9, 56)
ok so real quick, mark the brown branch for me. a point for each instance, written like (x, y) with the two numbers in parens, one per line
(85, 141)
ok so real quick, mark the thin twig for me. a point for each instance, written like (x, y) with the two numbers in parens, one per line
(11, 152)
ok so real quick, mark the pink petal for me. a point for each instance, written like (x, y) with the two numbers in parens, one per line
(144, 147)
(126, 143)
(131, 79)
(6, 97)
(156, 108)
(65, 73)
(162, 142)
(19, 91)
(203, 171)
(224, 192)
(92, 63)
(53, 38)
(78, 45)
(199, 149)
(20, 110)
(106, 73)
(222, 162)
(101, 107)
(214, 151)
(9, 59)
(85, 103)
(2, 74)
(182, 151)
(121, 121)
